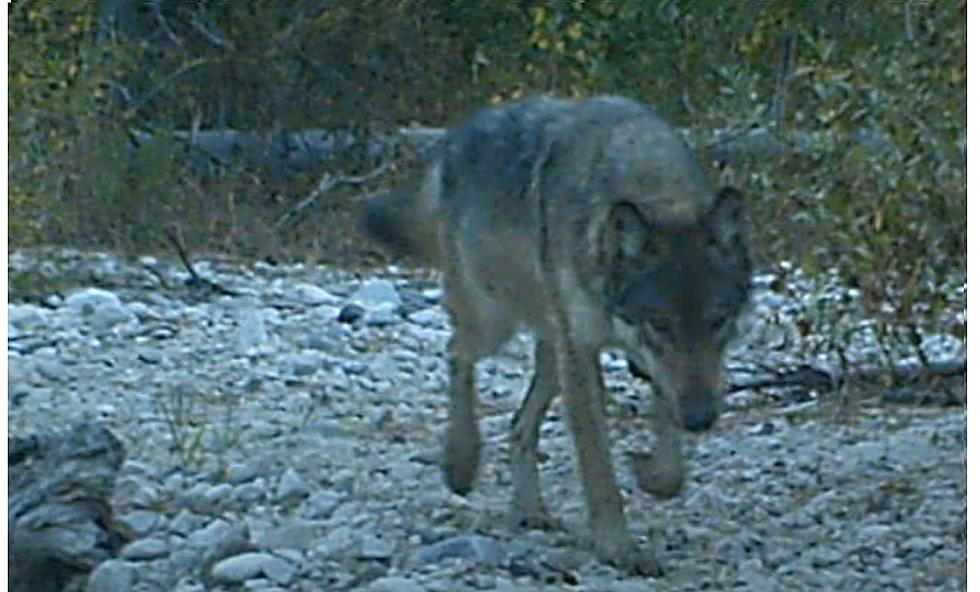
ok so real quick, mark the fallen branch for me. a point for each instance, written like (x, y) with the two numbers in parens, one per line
(895, 385)
(327, 183)
(195, 281)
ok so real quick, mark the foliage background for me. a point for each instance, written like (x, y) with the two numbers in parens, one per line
(863, 102)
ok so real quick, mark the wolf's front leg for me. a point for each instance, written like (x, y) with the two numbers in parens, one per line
(580, 383)
(662, 474)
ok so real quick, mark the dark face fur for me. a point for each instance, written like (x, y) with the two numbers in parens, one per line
(677, 292)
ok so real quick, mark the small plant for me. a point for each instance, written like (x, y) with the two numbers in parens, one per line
(179, 408)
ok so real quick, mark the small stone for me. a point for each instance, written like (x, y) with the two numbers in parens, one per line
(627, 586)
(149, 356)
(321, 505)
(91, 298)
(219, 538)
(140, 522)
(190, 585)
(338, 541)
(186, 522)
(313, 295)
(432, 295)
(295, 534)
(476, 548)
(394, 584)
(381, 316)
(26, 317)
(51, 370)
(874, 531)
(279, 570)
(239, 473)
(428, 317)
(375, 547)
(237, 569)
(194, 498)
(824, 557)
(186, 560)
(375, 293)
(112, 576)
(754, 575)
(218, 494)
(331, 429)
(145, 549)
(292, 485)
(249, 493)
(729, 550)
(303, 364)
(251, 335)
(920, 546)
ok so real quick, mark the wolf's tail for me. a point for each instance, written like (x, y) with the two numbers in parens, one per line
(406, 222)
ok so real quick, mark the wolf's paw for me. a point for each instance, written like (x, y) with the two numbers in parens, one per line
(627, 555)
(659, 479)
(461, 460)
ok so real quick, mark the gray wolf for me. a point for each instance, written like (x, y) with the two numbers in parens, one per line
(591, 224)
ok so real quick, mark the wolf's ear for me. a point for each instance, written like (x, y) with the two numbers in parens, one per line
(726, 219)
(625, 233)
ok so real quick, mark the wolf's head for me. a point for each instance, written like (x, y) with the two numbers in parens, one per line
(676, 292)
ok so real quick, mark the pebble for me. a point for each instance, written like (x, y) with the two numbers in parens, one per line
(475, 548)
(376, 293)
(291, 485)
(145, 549)
(140, 522)
(321, 504)
(395, 584)
(313, 295)
(112, 576)
(237, 569)
(375, 547)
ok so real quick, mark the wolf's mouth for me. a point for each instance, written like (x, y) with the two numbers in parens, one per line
(636, 371)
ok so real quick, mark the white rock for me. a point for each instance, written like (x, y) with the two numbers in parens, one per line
(99, 308)
(376, 293)
(239, 568)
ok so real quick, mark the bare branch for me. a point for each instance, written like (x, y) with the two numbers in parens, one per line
(164, 25)
(182, 253)
(216, 39)
(327, 183)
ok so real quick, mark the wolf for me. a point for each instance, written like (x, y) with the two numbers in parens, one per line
(590, 224)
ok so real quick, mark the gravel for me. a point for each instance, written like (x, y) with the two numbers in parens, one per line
(287, 438)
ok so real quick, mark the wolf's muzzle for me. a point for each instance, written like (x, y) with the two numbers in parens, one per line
(698, 411)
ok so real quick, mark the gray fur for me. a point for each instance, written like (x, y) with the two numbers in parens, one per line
(591, 224)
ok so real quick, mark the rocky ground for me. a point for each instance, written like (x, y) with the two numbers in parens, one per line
(286, 436)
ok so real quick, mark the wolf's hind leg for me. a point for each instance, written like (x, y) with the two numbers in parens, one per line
(527, 506)
(461, 455)
(479, 328)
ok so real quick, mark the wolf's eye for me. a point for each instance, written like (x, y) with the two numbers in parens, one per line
(717, 324)
(659, 325)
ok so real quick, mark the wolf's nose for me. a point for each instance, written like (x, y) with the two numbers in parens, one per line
(698, 418)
